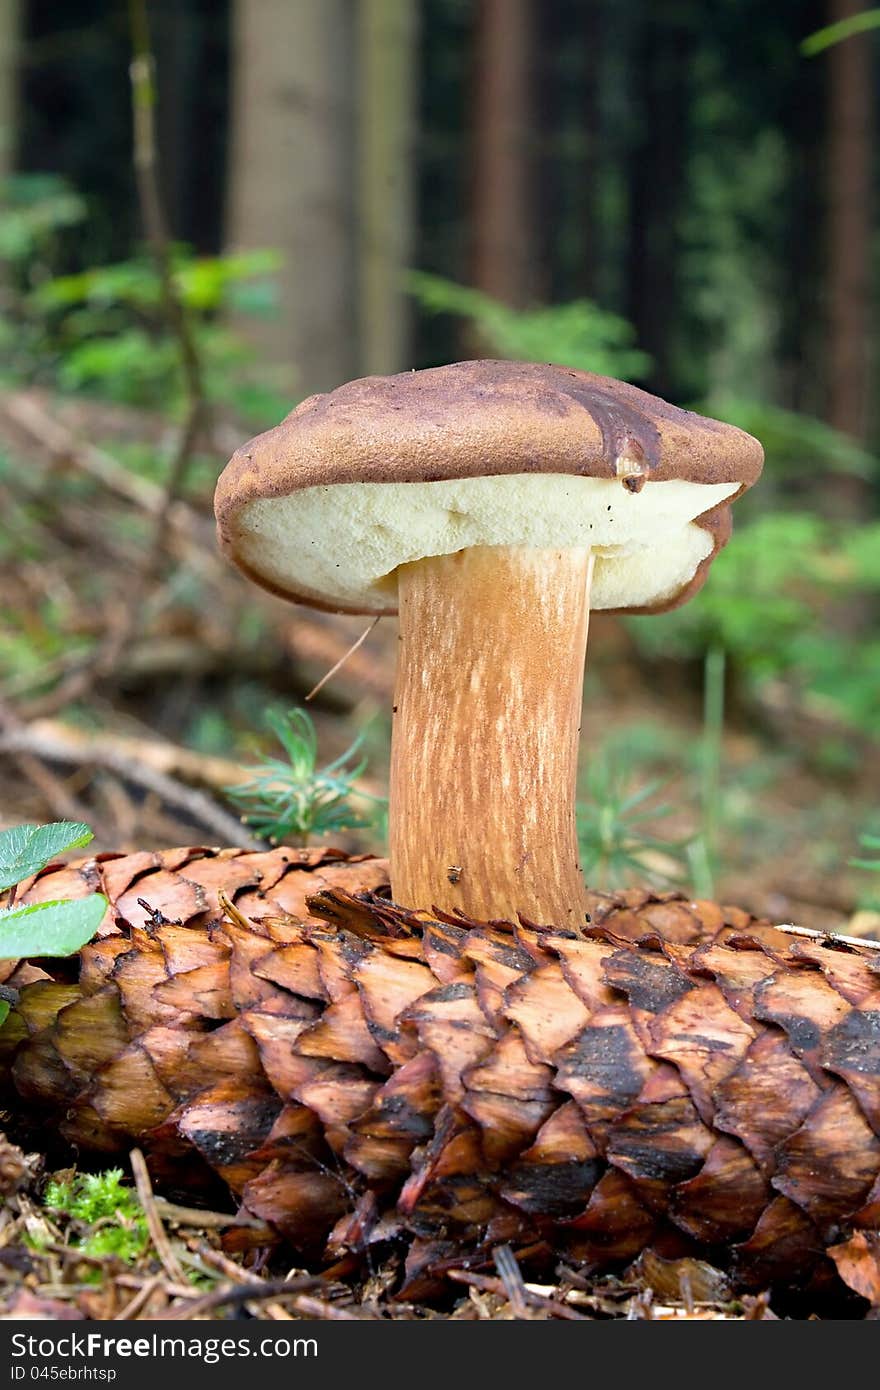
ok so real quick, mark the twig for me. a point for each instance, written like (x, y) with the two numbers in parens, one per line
(120, 810)
(199, 1219)
(232, 911)
(51, 788)
(243, 1293)
(342, 660)
(205, 1257)
(320, 1308)
(216, 1260)
(143, 1295)
(828, 938)
(275, 1313)
(134, 1281)
(158, 1234)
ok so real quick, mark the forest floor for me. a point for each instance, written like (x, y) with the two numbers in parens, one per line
(182, 1273)
(135, 672)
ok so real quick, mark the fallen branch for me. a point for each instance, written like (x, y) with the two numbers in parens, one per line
(26, 410)
(157, 755)
(194, 804)
(132, 757)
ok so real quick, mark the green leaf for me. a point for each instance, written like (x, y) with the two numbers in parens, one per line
(4, 1011)
(50, 929)
(25, 849)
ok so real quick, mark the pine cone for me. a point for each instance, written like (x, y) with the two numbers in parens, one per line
(680, 1077)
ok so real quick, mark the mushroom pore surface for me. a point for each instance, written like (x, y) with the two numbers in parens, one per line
(343, 543)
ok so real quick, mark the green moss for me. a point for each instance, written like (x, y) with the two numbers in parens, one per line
(110, 1215)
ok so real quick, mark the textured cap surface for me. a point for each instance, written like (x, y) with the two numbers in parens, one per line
(480, 419)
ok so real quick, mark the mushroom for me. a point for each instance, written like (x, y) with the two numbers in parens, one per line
(491, 504)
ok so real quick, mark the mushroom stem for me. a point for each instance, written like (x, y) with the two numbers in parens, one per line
(485, 734)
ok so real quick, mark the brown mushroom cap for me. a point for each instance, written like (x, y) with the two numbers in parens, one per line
(481, 419)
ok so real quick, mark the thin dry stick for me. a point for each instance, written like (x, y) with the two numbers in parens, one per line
(275, 1313)
(215, 1259)
(144, 1294)
(342, 660)
(199, 1219)
(158, 1234)
(320, 1308)
(52, 789)
(830, 938)
(242, 1293)
(134, 1281)
(232, 911)
(222, 1263)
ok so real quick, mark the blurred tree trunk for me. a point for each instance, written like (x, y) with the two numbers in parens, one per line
(175, 39)
(191, 43)
(291, 177)
(10, 33)
(386, 47)
(502, 215)
(849, 228)
(658, 182)
(566, 154)
(591, 36)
